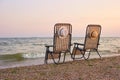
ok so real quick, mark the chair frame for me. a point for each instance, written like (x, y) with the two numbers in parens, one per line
(54, 51)
(83, 50)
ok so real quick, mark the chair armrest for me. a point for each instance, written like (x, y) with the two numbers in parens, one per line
(78, 44)
(48, 46)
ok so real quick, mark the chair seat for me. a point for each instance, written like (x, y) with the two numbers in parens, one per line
(54, 55)
(77, 51)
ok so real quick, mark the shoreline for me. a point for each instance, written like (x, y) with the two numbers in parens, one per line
(40, 61)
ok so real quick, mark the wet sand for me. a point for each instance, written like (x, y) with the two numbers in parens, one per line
(93, 69)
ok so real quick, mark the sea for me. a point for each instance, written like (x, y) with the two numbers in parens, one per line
(27, 51)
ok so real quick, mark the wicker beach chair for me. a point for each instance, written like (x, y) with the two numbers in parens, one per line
(61, 42)
(90, 44)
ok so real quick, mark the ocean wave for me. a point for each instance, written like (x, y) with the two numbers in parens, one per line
(12, 57)
(33, 55)
(38, 44)
(21, 56)
(4, 43)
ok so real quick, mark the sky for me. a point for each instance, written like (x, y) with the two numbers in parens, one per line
(36, 18)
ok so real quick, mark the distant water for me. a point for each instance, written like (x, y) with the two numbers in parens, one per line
(33, 48)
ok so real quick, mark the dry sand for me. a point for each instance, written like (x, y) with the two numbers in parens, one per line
(94, 69)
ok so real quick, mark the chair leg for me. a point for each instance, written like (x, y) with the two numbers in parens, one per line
(73, 55)
(99, 54)
(88, 55)
(64, 57)
(84, 56)
(59, 57)
(46, 58)
(45, 61)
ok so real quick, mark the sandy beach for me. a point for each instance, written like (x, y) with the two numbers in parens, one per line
(93, 69)
(31, 29)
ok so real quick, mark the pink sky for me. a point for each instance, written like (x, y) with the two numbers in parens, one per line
(36, 18)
